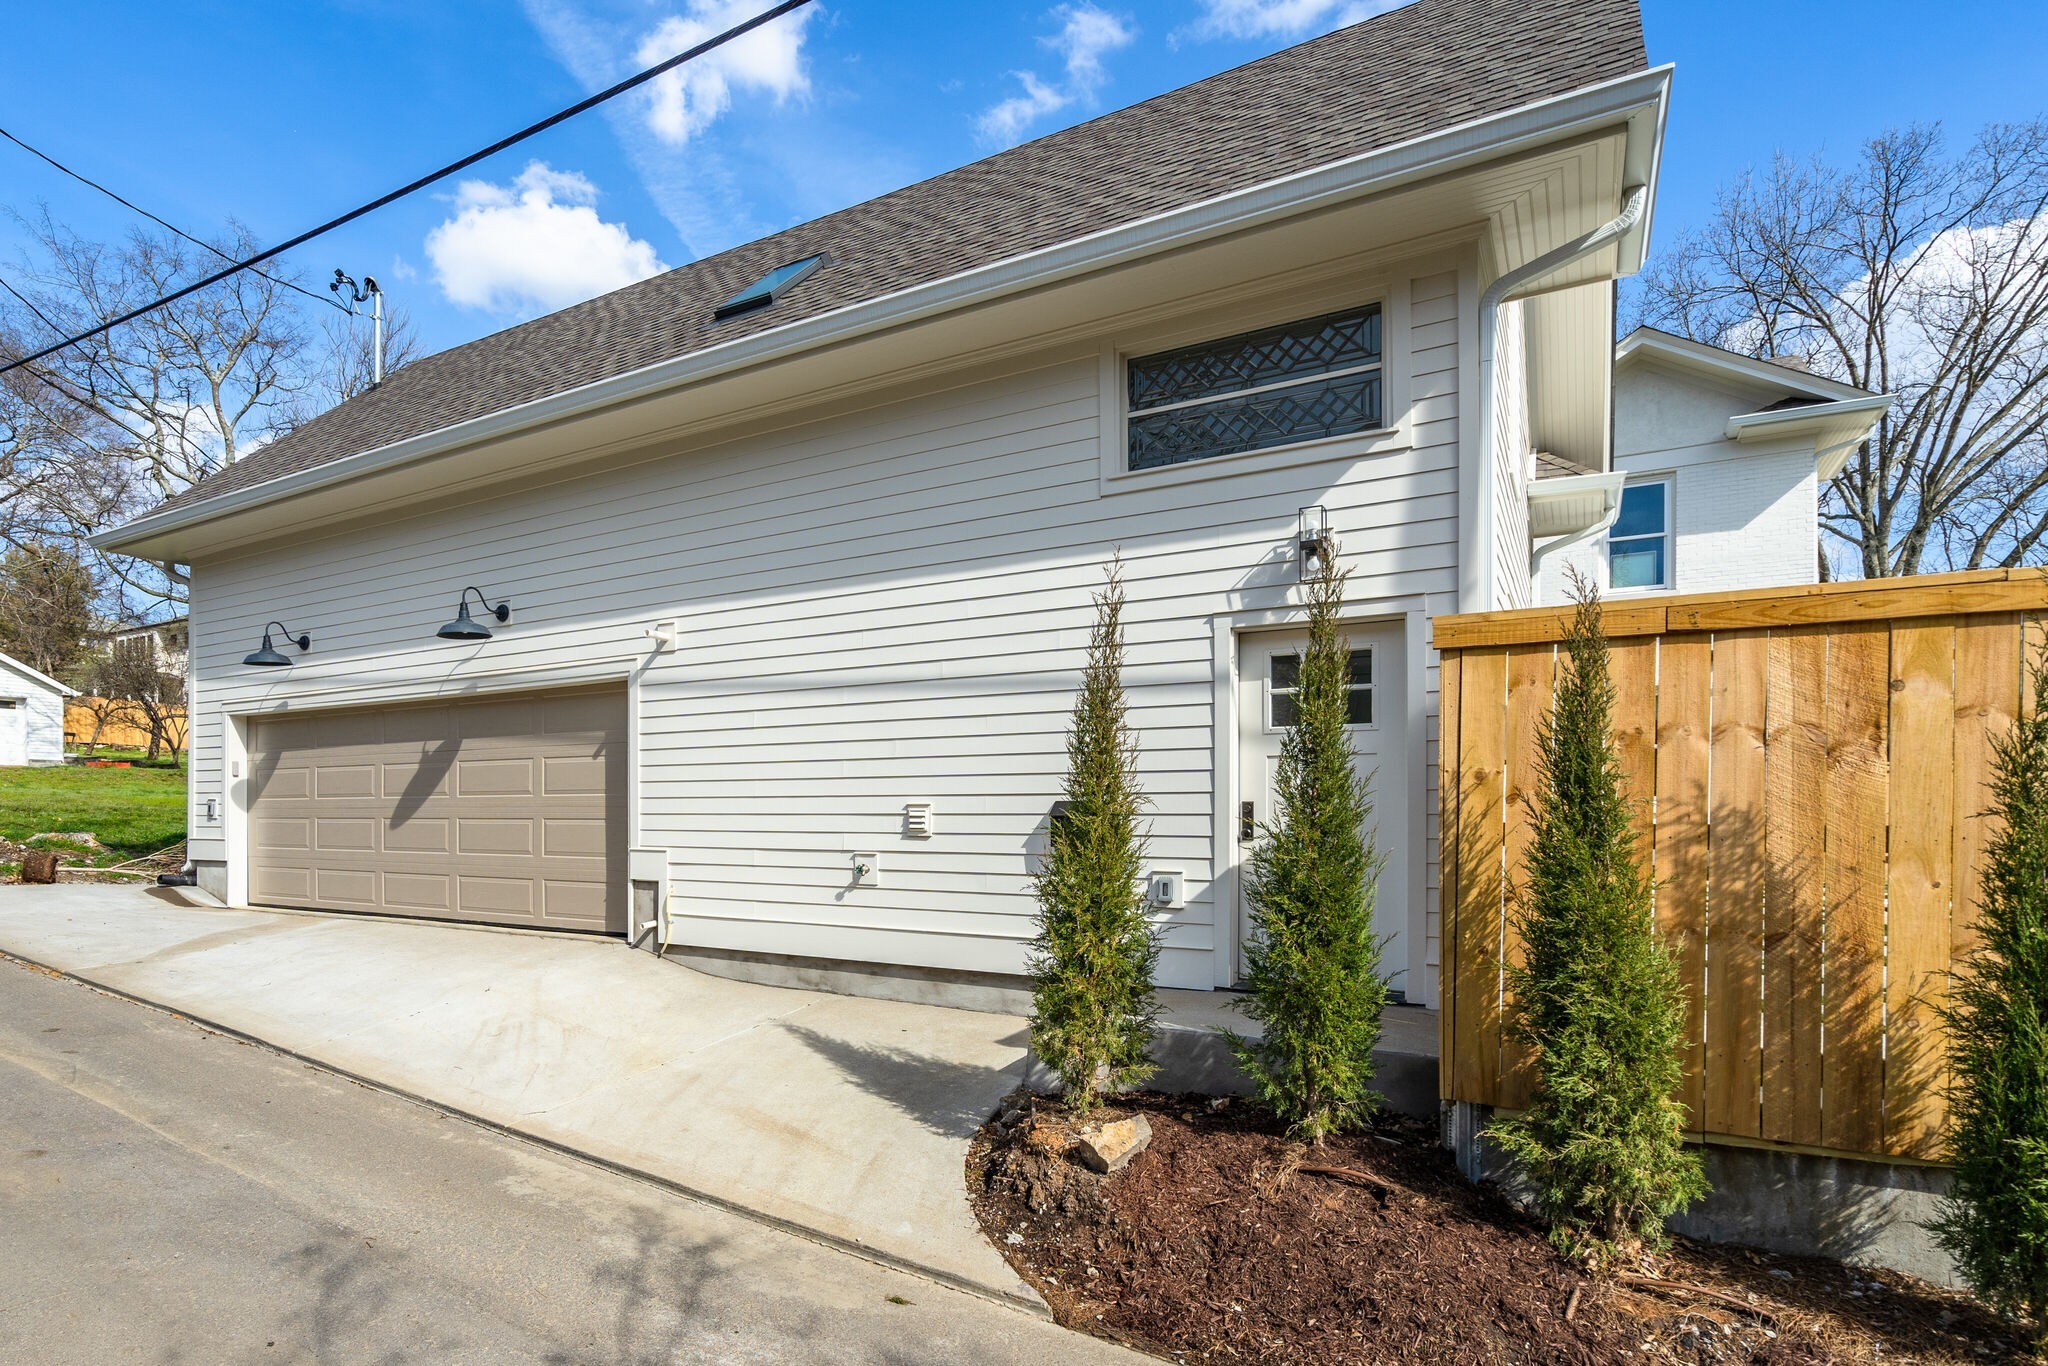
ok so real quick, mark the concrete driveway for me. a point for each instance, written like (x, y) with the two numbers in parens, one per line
(844, 1118)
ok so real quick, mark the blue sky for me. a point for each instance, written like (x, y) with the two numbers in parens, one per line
(281, 115)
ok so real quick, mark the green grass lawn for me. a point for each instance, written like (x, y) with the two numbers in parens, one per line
(133, 811)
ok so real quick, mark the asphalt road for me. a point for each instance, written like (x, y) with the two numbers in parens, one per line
(168, 1194)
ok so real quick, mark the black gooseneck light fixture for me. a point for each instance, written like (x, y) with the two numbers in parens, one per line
(467, 627)
(268, 656)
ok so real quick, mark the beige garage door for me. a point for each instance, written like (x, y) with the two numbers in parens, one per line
(509, 810)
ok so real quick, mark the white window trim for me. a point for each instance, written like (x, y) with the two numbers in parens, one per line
(1670, 483)
(1393, 435)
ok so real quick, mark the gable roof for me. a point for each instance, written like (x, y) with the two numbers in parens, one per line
(13, 665)
(1428, 66)
(1798, 384)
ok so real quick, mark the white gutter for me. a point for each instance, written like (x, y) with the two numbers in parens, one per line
(1587, 110)
(1498, 293)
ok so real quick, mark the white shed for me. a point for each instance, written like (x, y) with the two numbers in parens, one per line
(31, 715)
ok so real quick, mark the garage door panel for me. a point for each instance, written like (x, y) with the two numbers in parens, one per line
(286, 834)
(578, 776)
(344, 834)
(346, 887)
(496, 778)
(345, 780)
(496, 836)
(507, 810)
(420, 893)
(279, 783)
(427, 835)
(564, 837)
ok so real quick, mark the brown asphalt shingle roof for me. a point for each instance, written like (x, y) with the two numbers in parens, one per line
(1428, 66)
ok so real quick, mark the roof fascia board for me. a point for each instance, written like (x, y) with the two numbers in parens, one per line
(1698, 356)
(1419, 159)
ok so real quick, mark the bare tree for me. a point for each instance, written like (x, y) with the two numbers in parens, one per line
(131, 682)
(1914, 272)
(46, 601)
(155, 405)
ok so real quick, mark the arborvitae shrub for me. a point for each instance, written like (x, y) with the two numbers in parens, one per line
(1312, 974)
(1092, 1013)
(1597, 997)
(1994, 1221)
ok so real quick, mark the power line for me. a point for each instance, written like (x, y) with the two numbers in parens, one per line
(129, 204)
(691, 54)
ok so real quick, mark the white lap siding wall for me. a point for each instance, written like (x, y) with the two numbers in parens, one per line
(882, 606)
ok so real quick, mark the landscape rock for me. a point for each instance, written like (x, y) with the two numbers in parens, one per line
(1109, 1146)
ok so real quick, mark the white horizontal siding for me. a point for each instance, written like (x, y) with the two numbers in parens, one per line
(877, 607)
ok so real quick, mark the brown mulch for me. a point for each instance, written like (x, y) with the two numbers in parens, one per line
(1223, 1242)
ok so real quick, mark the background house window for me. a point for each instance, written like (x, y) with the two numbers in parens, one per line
(1296, 382)
(1286, 680)
(1639, 544)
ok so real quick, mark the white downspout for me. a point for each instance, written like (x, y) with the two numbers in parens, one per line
(1498, 293)
(1537, 555)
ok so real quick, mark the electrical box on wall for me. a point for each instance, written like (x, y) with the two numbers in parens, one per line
(1164, 890)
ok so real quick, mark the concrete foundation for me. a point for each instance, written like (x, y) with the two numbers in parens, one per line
(213, 879)
(1190, 1049)
(1803, 1204)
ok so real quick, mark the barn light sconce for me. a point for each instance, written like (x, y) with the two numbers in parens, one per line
(1314, 541)
(467, 627)
(268, 656)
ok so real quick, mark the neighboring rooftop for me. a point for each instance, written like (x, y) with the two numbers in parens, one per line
(1428, 66)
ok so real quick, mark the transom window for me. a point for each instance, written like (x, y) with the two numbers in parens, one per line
(1299, 381)
(1284, 684)
(1639, 543)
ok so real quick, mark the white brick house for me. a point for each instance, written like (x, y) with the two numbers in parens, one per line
(1718, 463)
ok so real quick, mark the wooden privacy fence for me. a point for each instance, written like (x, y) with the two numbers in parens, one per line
(1807, 767)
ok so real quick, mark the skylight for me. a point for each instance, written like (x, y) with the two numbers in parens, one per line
(765, 290)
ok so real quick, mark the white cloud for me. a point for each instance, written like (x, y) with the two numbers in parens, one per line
(1086, 35)
(686, 101)
(1283, 18)
(534, 245)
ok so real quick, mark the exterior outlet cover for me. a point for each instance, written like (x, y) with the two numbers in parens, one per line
(1164, 889)
(867, 870)
(917, 820)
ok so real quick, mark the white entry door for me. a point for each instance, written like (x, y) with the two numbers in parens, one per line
(1268, 665)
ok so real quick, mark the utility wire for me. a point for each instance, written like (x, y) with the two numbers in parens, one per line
(88, 181)
(691, 54)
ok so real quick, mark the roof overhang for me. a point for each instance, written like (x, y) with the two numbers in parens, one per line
(1568, 504)
(1624, 118)
(1647, 343)
(1836, 429)
(12, 665)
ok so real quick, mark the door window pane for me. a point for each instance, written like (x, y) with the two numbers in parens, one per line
(1284, 681)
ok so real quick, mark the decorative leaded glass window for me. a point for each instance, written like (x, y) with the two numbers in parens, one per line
(1296, 382)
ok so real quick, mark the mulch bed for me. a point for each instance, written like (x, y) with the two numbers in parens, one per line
(1220, 1243)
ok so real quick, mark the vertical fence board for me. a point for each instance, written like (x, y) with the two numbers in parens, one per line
(1532, 673)
(1987, 703)
(1632, 664)
(1450, 769)
(1794, 823)
(1735, 871)
(1682, 758)
(1852, 1067)
(1482, 694)
(1923, 738)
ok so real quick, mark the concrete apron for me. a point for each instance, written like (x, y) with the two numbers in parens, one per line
(839, 1118)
